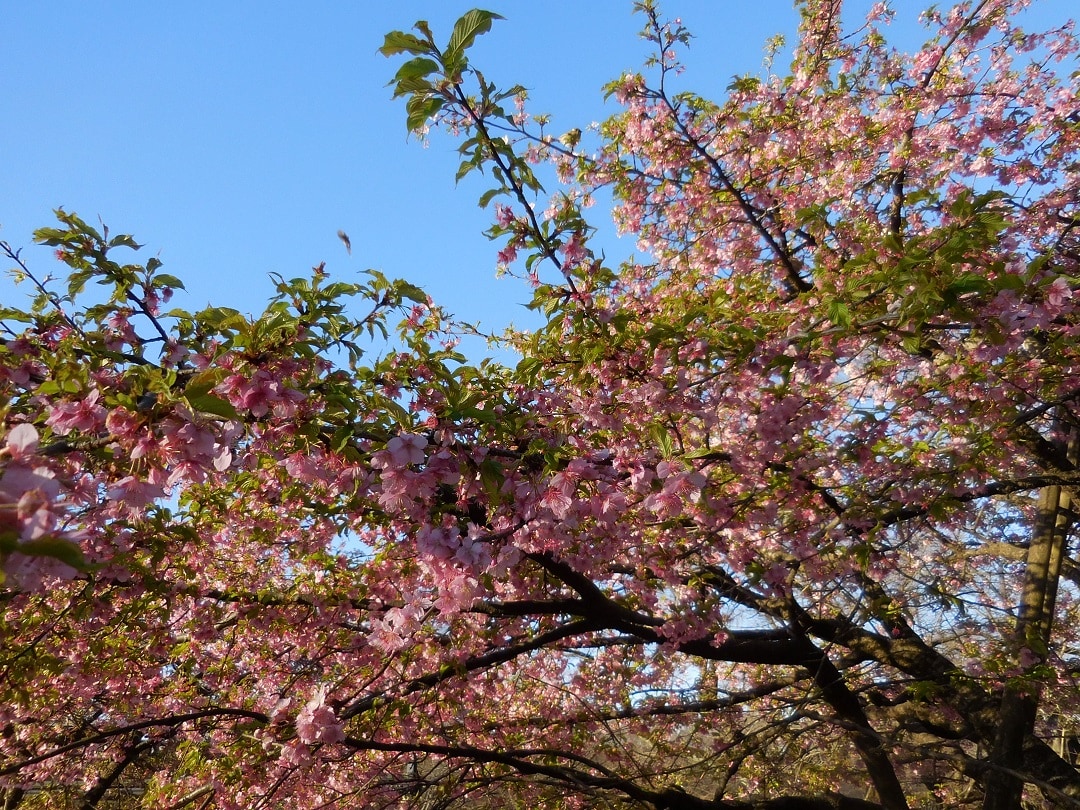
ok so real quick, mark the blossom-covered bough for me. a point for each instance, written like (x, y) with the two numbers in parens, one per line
(776, 514)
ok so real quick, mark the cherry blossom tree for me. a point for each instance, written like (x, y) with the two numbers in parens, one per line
(776, 513)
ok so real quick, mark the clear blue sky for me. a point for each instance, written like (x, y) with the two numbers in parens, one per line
(234, 139)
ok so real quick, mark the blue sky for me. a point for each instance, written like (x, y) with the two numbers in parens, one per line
(234, 139)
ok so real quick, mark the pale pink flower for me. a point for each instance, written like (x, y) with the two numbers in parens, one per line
(406, 449)
(504, 215)
(85, 415)
(506, 256)
(1058, 292)
(295, 754)
(134, 493)
(558, 501)
(317, 722)
(121, 422)
(30, 572)
(18, 480)
(22, 441)
(394, 491)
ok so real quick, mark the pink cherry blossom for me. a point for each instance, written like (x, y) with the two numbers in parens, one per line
(22, 442)
(317, 722)
(84, 415)
(406, 449)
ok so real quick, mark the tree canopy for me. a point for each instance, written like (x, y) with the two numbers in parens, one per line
(776, 513)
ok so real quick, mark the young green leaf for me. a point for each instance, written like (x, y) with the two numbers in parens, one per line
(467, 29)
(400, 42)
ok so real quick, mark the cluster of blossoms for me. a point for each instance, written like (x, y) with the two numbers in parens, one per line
(31, 513)
(262, 393)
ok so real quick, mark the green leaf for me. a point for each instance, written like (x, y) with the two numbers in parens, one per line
(400, 42)
(51, 236)
(839, 314)
(411, 87)
(464, 169)
(341, 437)
(201, 385)
(467, 29)
(488, 195)
(415, 68)
(124, 240)
(411, 292)
(9, 314)
(9, 541)
(425, 29)
(661, 437)
(397, 413)
(164, 279)
(419, 110)
(208, 403)
(220, 318)
(77, 282)
(967, 283)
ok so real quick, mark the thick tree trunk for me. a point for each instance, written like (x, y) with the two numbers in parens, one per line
(1034, 624)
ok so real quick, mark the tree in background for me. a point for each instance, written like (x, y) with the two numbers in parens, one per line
(776, 514)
